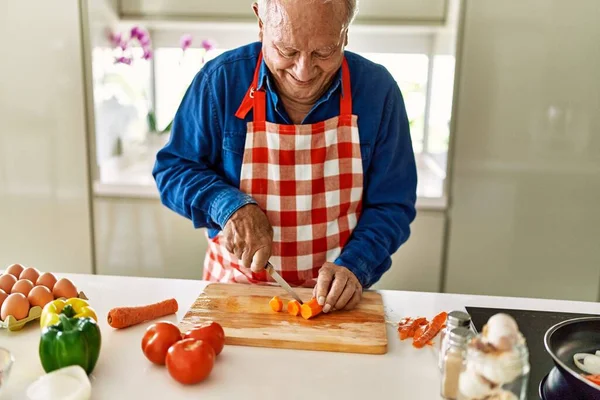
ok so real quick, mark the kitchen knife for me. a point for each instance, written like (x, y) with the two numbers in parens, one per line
(271, 271)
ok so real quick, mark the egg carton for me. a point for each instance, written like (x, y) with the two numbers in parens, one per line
(13, 324)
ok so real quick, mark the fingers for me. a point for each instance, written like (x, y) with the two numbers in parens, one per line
(323, 284)
(345, 297)
(249, 236)
(354, 300)
(337, 288)
(260, 258)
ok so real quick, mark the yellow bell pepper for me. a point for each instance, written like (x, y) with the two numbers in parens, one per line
(74, 307)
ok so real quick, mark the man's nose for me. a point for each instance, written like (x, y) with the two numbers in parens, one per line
(303, 68)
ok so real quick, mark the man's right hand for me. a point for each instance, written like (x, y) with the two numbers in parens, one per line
(249, 235)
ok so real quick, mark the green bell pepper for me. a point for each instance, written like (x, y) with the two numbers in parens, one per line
(71, 341)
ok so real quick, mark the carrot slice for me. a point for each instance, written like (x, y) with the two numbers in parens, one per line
(593, 378)
(293, 308)
(122, 317)
(432, 330)
(420, 330)
(276, 304)
(310, 309)
(409, 329)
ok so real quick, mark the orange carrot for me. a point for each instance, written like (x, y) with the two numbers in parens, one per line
(432, 329)
(420, 330)
(310, 309)
(409, 329)
(293, 308)
(123, 317)
(276, 304)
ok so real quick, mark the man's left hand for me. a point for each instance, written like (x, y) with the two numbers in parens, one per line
(337, 288)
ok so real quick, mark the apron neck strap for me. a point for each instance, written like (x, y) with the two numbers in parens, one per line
(257, 98)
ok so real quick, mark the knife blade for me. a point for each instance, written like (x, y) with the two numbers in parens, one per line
(271, 271)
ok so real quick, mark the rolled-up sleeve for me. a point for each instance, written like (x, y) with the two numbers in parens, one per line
(388, 199)
(188, 170)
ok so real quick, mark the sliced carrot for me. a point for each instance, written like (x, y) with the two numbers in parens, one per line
(593, 378)
(420, 330)
(432, 330)
(293, 308)
(276, 304)
(409, 329)
(310, 309)
(122, 317)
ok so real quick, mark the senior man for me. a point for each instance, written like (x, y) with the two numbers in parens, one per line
(294, 151)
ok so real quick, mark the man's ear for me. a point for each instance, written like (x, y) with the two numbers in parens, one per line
(260, 23)
(346, 38)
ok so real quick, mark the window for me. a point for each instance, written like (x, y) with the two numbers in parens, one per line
(410, 72)
(125, 95)
(174, 72)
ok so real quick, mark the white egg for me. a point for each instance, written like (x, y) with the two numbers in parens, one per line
(472, 386)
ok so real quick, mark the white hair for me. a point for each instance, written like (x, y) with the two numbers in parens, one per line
(351, 7)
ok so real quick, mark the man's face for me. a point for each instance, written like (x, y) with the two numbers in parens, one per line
(303, 46)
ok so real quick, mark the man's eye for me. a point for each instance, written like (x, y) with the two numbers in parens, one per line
(325, 54)
(288, 53)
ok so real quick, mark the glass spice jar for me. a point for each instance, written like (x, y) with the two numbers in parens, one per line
(453, 361)
(456, 319)
(502, 375)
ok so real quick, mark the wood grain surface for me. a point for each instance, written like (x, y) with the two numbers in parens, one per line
(244, 313)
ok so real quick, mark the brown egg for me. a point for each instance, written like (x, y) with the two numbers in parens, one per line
(14, 270)
(46, 279)
(7, 281)
(22, 286)
(64, 288)
(16, 305)
(3, 297)
(30, 273)
(40, 296)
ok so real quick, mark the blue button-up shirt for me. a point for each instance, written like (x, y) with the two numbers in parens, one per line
(198, 171)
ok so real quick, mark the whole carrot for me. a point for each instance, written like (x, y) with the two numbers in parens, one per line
(432, 329)
(123, 317)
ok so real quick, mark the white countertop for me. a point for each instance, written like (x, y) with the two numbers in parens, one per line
(123, 372)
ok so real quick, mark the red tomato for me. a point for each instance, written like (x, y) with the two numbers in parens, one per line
(210, 332)
(157, 340)
(190, 361)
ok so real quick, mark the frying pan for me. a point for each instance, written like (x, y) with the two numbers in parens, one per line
(563, 341)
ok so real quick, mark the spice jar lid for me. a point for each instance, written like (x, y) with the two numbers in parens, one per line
(459, 318)
(460, 336)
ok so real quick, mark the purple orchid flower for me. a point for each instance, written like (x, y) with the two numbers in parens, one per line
(147, 54)
(137, 32)
(185, 41)
(123, 60)
(208, 44)
(145, 41)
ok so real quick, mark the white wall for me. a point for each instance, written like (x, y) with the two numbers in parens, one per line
(44, 199)
(525, 198)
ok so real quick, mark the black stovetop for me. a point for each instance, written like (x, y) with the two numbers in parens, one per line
(533, 326)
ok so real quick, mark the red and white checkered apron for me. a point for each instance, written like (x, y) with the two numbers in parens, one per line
(308, 180)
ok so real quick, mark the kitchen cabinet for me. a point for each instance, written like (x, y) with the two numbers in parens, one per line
(371, 11)
(525, 175)
(141, 237)
(44, 184)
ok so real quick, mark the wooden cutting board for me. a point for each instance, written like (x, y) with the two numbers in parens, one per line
(244, 313)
